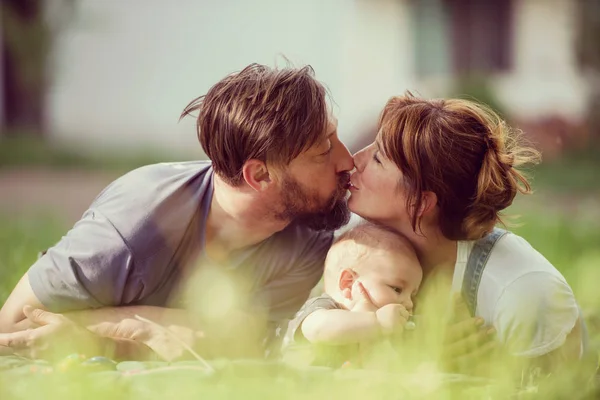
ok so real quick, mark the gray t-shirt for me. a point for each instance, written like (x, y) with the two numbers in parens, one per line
(133, 243)
(297, 350)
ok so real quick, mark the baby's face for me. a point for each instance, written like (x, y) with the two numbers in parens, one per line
(390, 277)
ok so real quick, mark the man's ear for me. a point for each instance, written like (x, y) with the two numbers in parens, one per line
(428, 204)
(347, 278)
(256, 174)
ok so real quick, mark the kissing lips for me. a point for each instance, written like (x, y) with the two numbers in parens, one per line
(345, 183)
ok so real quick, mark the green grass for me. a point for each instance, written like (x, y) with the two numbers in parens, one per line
(571, 247)
(20, 241)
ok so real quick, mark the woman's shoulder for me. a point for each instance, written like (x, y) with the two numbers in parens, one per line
(529, 301)
(517, 270)
(513, 258)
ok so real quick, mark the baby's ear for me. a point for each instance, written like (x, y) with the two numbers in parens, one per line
(347, 278)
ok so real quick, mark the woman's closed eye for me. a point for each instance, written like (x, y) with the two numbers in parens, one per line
(377, 160)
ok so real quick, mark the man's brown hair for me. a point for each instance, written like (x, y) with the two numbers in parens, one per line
(461, 151)
(261, 113)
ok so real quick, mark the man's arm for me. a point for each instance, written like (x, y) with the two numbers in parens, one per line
(117, 326)
(114, 332)
(110, 315)
(55, 336)
(12, 318)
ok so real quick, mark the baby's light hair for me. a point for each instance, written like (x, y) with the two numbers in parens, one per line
(350, 247)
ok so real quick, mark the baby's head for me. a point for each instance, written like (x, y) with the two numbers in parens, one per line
(382, 260)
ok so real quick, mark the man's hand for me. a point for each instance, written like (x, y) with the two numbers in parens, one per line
(169, 343)
(468, 346)
(55, 337)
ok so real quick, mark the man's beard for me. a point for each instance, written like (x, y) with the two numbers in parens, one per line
(306, 208)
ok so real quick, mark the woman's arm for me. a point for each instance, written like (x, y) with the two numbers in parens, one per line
(567, 355)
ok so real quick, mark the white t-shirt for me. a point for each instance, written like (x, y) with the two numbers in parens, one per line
(522, 295)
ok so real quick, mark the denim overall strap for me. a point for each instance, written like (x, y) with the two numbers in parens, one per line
(476, 264)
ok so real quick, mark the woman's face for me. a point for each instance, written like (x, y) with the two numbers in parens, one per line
(377, 192)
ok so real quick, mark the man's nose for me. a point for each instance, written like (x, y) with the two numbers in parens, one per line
(345, 162)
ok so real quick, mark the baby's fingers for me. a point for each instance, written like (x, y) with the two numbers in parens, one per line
(402, 312)
(365, 296)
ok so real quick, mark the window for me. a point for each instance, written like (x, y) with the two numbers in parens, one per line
(462, 37)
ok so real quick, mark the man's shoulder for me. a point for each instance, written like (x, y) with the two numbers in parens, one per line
(155, 181)
(165, 171)
(154, 204)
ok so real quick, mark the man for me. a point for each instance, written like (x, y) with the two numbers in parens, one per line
(263, 210)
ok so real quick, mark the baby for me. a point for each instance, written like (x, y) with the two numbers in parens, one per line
(371, 275)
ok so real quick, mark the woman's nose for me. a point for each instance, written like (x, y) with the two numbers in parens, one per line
(359, 159)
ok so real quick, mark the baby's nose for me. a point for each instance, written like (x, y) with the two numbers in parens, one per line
(408, 304)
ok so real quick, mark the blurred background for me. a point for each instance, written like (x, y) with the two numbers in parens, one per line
(92, 88)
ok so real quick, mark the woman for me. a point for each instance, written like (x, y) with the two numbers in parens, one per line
(440, 172)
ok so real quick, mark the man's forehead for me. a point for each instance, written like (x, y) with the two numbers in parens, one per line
(332, 124)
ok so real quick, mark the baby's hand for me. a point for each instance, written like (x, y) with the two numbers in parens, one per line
(364, 303)
(392, 318)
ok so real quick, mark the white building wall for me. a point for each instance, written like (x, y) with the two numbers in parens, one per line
(545, 79)
(126, 69)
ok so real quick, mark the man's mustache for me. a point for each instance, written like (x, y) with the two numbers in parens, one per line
(344, 180)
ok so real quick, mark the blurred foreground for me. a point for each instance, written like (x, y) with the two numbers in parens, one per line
(45, 190)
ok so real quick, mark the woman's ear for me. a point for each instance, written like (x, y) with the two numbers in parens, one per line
(256, 174)
(428, 203)
(347, 279)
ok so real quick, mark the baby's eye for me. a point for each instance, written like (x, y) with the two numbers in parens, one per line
(397, 289)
